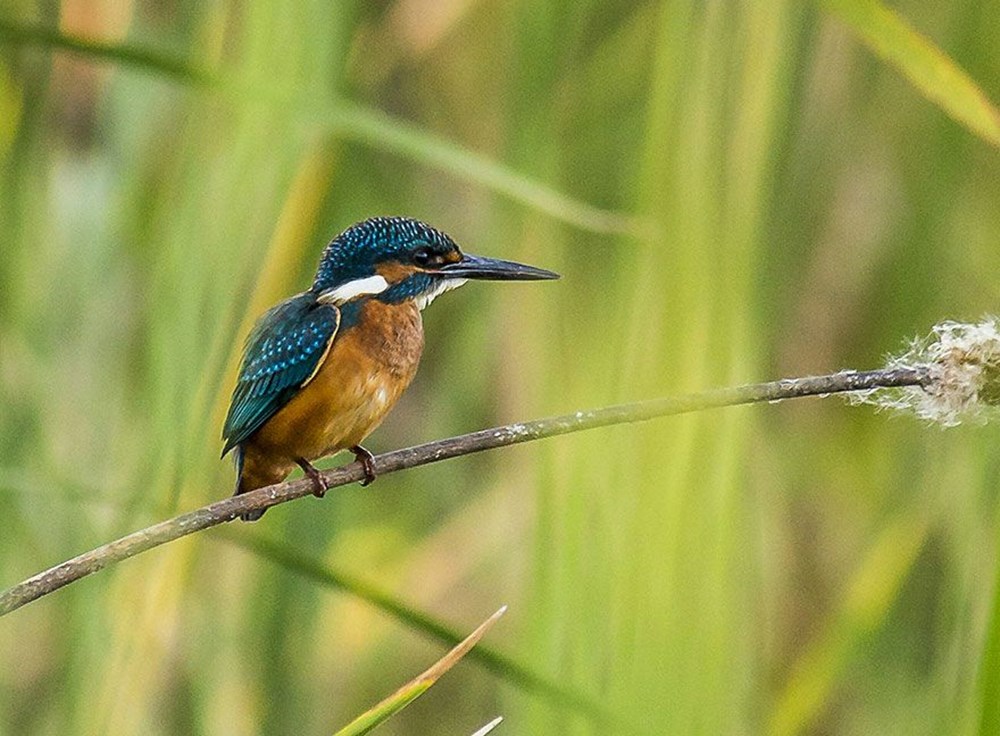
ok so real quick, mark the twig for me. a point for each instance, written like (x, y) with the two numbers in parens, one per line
(228, 509)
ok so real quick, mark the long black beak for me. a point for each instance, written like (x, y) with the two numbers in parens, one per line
(477, 267)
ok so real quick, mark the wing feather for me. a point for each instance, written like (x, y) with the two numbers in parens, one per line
(282, 353)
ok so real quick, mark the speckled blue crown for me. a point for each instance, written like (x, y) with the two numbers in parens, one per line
(354, 253)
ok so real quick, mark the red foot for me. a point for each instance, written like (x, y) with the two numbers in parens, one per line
(364, 457)
(319, 482)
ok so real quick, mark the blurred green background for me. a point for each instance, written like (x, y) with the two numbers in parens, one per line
(732, 191)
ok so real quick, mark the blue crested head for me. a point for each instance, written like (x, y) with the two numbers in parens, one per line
(358, 251)
(397, 259)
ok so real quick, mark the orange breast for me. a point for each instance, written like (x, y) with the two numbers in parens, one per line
(365, 372)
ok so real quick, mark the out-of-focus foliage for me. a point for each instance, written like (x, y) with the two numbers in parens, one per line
(392, 704)
(731, 191)
(933, 72)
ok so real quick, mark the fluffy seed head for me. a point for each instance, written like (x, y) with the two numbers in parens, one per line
(963, 364)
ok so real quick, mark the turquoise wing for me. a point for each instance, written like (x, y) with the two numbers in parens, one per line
(282, 353)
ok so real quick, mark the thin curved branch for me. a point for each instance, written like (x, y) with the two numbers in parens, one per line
(487, 439)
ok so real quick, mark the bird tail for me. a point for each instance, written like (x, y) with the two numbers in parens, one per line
(244, 484)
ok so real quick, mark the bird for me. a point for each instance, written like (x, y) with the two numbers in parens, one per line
(321, 369)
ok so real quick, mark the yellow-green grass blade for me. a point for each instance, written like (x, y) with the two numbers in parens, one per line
(500, 664)
(989, 681)
(419, 685)
(875, 587)
(352, 121)
(119, 53)
(380, 130)
(931, 70)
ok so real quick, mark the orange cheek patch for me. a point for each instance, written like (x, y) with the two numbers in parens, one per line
(394, 272)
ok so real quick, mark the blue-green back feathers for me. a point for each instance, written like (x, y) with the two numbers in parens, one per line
(282, 352)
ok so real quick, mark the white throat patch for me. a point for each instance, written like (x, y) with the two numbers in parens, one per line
(353, 289)
(439, 288)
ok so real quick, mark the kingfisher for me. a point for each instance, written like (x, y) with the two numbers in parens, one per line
(321, 369)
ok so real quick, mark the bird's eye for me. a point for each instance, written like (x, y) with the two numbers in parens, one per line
(423, 257)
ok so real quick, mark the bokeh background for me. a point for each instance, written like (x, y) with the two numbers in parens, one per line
(732, 191)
